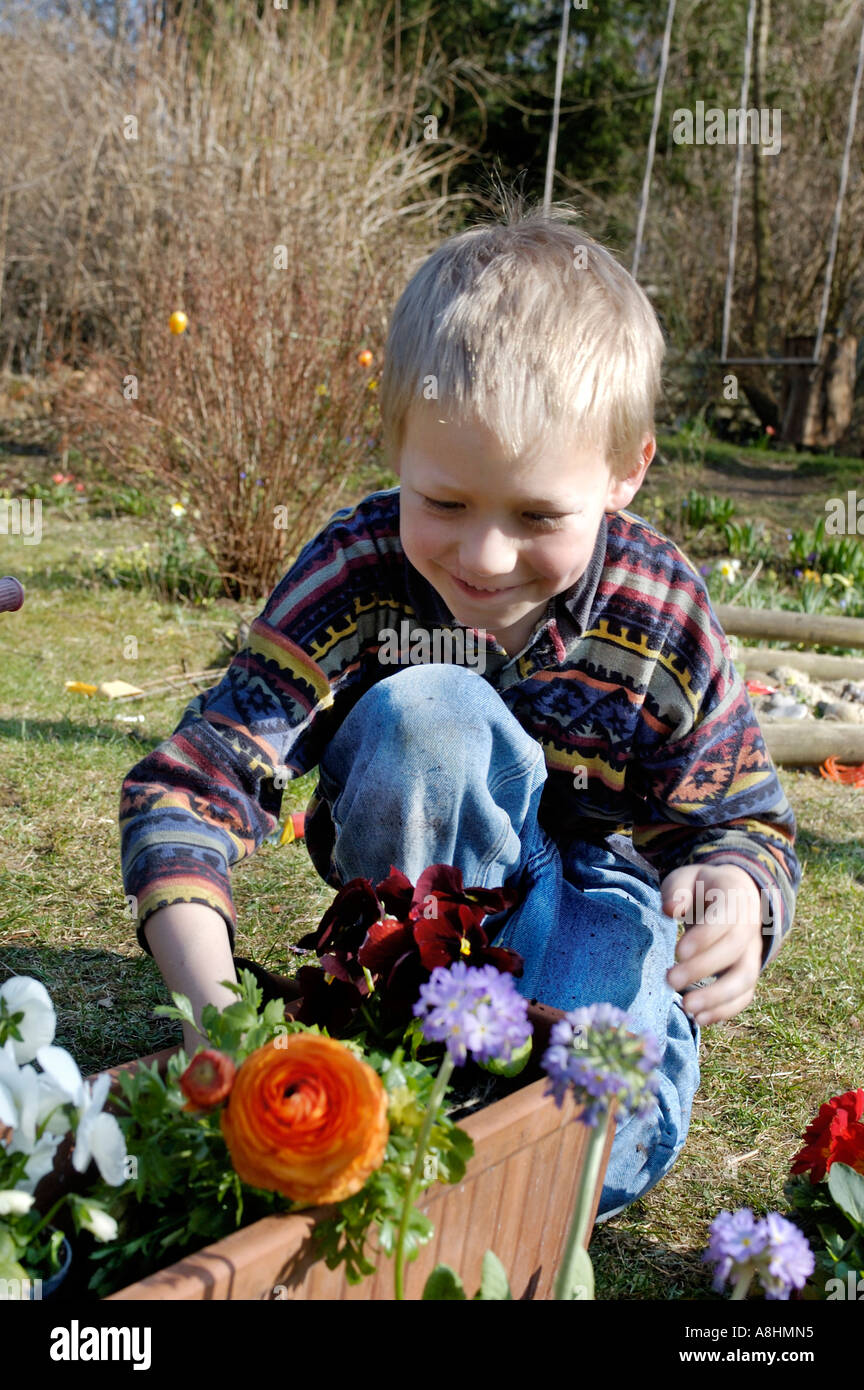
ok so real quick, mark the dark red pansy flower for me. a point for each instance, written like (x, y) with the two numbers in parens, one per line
(445, 941)
(347, 919)
(396, 893)
(443, 882)
(332, 1005)
(385, 942)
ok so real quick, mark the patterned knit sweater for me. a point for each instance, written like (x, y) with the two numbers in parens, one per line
(627, 676)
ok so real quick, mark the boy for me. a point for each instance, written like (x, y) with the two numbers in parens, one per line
(522, 369)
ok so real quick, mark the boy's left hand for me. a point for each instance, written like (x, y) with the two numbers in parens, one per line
(725, 941)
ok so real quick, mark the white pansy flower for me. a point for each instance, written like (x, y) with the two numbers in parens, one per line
(94, 1218)
(19, 1097)
(25, 996)
(61, 1084)
(14, 1203)
(40, 1159)
(98, 1136)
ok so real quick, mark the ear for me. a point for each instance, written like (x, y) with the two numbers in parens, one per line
(623, 490)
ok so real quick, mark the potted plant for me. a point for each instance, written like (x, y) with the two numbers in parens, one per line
(504, 1200)
(516, 1195)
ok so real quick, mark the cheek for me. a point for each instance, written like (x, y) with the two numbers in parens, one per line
(421, 535)
(556, 557)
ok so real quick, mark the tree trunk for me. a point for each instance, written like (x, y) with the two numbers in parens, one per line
(818, 401)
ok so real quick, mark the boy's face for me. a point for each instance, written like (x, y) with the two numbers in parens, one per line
(498, 540)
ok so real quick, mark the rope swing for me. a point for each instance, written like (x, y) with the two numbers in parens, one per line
(737, 180)
(652, 141)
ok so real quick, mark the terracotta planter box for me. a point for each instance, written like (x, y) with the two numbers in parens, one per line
(516, 1198)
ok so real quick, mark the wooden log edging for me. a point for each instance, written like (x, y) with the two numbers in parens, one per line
(816, 664)
(808, 742)
(785, 626)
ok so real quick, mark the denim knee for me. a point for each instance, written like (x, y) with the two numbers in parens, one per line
(429, 766)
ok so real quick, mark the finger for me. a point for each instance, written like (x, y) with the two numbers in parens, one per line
(697, 939)
(723, 954)
(726, 987)
(721, 1012)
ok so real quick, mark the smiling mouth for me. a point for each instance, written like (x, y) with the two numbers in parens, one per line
(473, 588)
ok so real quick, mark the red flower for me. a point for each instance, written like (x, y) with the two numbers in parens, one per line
(326, 1000)
(835, 1136)
(398, 932)
(207, 1080)
(346, 921)
(448, 918)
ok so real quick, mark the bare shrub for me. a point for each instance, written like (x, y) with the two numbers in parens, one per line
(276, 189)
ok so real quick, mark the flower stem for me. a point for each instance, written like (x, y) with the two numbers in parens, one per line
(435, 1099)
(742, 1284)
(47, 1218)
(582, 1208)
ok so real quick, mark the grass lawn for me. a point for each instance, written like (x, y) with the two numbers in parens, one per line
(63, 915)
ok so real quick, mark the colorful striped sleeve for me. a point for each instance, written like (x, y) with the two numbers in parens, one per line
(207, 797)
(705, 787)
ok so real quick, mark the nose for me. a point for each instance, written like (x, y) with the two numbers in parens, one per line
(486, 553)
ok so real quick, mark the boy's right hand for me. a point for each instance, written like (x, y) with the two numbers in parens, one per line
(191, 947)
(727, 943)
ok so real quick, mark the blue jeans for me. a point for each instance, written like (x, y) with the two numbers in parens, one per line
(430, 767)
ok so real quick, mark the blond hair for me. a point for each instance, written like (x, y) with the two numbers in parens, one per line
(532, 328)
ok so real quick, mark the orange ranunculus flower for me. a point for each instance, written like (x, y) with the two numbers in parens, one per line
(306, 1118)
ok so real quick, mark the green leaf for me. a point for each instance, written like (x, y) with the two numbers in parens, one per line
(847, 1188)
(182, 1006)
(443, 1284)
(240, 1015)
(518, 1062)
(8, 1248)
(494, 1284)
(10, 1269)
(581, 1276)
(834, 1242)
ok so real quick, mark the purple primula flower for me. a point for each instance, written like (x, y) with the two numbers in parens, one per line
(473, 1009)
(774, 1249)
(594, 1054)
(790, 1259)
(733, 1239)
(561, 1033)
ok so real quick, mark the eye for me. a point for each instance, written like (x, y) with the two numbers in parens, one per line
(440, 506)
(547, 523)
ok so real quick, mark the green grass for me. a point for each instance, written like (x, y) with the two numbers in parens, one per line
(63, 917)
